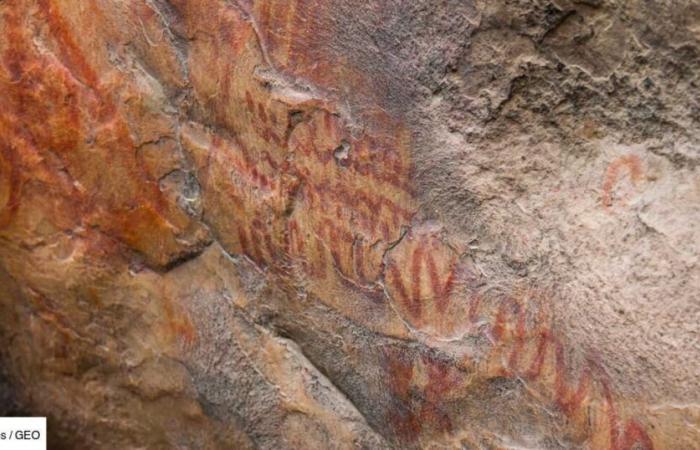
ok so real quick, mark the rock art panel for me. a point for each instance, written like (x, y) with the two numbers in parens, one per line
(265, 224)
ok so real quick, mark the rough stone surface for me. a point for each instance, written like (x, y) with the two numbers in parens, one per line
(299, 224)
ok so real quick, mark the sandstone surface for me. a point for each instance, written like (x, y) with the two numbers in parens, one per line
(377, 224)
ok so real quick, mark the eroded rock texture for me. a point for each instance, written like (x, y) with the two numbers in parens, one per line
(299, 224)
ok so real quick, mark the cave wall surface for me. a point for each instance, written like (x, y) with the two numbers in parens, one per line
(306, 224)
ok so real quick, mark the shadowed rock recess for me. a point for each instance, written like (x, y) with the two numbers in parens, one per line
(376, 224)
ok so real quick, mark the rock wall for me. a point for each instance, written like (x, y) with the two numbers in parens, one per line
(381, 224)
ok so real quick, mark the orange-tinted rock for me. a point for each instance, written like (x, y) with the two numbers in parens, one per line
(303, 224)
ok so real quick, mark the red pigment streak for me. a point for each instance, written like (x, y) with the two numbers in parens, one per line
(258, 237)
(385, 231)
(272, 137)
(15, 59)
(633, 434)
(179, 324)
(22, 109)
(414, 308)
(337, 260)
(11, 165)
(261, 112)
(423, 264)
(359, 260)
(268, 244)
(400, 370)
(224, 92)
(567, 399)
(243, 240)
(305, 143)
(613, 418)
(295, 245)
(374, 204)
(441, 377)
(441, 380)
(245, 170)
(634, 167)
(249, 102)
(255, 243)
(570, 400)
(412, 414)
(519, 339)
(536, 368)
(634, 437)
(373, 170)
(69, 48)
(104, 110)
(498, 327)
(320, 269)
(335, 234)
(402, 373)
(268, 159)
(442, 293)
(327, 124)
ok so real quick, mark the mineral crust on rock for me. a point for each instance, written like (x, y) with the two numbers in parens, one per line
(377, 224)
